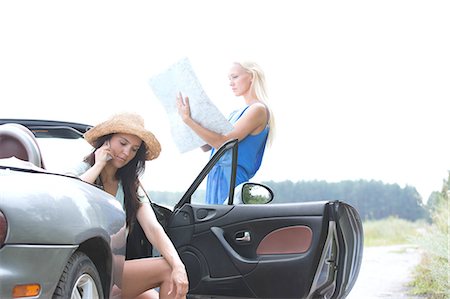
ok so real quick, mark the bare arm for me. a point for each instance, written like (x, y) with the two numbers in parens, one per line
(157, 236)
(102, 156)
(253, 121)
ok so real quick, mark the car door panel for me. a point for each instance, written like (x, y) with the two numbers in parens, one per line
(223, 247)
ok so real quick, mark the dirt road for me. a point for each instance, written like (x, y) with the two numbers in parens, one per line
(385, 272)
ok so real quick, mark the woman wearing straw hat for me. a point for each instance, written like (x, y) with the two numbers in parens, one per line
(122, 145)
(254, 125)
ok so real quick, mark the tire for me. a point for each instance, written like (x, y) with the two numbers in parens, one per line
(80, 279)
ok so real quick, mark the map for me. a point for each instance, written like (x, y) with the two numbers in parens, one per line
(180, 77)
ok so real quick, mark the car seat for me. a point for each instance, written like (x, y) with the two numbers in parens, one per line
(18, 141)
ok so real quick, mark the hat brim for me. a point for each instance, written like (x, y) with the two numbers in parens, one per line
(113, 126)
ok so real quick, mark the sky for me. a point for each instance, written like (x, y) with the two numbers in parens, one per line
(359, 89)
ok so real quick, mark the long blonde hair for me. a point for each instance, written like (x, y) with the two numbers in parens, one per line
(259, 87)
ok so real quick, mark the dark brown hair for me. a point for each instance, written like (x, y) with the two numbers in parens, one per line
(128, 175)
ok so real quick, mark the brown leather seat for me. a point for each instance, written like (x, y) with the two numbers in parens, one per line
(18, 141)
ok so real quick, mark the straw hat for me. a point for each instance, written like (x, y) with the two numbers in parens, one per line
(128, 123)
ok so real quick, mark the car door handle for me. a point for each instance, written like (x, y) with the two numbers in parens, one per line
(245, 237)
(244, 265)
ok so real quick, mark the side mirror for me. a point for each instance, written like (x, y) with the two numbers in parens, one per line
(254, 193)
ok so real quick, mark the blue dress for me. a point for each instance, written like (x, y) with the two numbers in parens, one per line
(250, 154)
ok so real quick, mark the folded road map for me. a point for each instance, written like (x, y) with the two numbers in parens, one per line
(180, 77)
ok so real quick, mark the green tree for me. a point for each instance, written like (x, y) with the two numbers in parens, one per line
(373, 199)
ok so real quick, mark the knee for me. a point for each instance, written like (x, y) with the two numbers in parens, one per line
(166, 272)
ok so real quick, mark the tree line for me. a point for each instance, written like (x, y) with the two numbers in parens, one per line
(373, 199)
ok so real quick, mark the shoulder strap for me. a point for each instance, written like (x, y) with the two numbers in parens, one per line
(145, 192)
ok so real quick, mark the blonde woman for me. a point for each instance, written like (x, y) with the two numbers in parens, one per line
(253, 126)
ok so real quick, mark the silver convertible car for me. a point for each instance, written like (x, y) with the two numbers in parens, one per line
(63, 238)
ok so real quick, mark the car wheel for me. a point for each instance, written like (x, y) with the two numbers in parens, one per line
(80, 279)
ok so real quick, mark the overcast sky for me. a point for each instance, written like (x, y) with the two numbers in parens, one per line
(359, 89)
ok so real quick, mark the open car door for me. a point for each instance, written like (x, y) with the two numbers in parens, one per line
(298, 250)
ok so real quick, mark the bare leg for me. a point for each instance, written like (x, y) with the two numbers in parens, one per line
(150, 294)
(116, 293)
(141, 275)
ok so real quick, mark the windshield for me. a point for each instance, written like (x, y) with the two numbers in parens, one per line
(61, 155)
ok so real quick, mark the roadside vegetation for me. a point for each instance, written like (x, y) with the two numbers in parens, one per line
(432, 274)
(391, 231)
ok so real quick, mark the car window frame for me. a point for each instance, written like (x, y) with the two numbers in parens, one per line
(229, 145)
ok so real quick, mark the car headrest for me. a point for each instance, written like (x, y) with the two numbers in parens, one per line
(18, 141)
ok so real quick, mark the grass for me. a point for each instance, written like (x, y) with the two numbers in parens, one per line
(429, 279)
(391, 231)
(432, 274)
